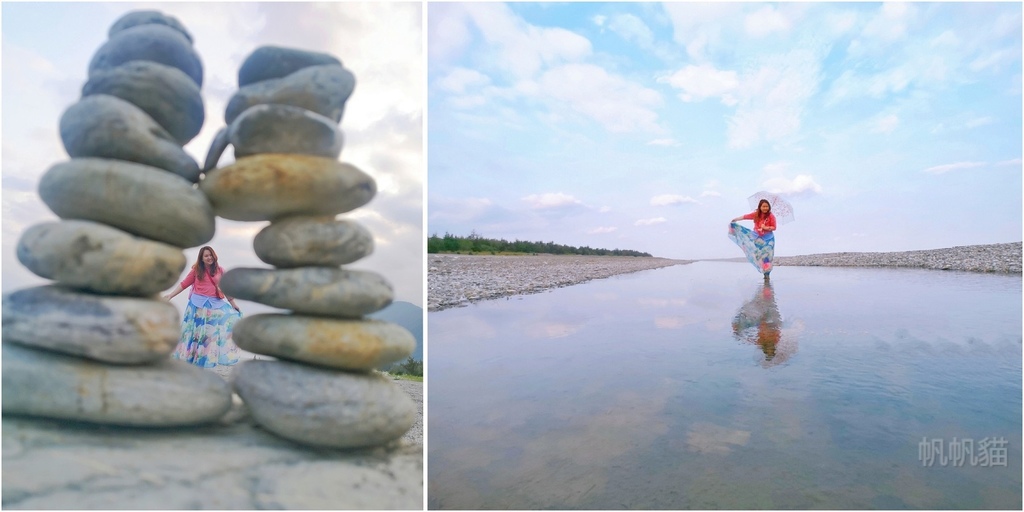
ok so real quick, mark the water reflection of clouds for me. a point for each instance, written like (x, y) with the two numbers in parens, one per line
(552, 330)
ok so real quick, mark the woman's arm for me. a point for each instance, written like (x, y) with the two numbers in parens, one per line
(177, 289)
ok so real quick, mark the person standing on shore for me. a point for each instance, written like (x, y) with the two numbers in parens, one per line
(209, 317)
(757, 244)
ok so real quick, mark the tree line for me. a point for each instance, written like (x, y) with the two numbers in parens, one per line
(475, 243)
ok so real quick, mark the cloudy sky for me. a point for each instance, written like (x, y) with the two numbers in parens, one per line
(646, 126)
(46, 53)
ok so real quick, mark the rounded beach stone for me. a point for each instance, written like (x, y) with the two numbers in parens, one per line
(152, 42)
(323, 291)
(98, 258)
(217, 146)
(166, 94)
(307, 241)
(323, 407)
(322, 89)
(104, 126)
(139, 199)
(163, 394)
(265, 187)
(119, 330)
(357, 345)
(268, 62)
(284, 129)
(136, 18)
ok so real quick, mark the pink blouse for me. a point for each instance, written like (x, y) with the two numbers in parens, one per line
(207, 286)
(759, 228)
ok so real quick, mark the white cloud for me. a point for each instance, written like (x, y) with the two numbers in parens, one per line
(980, 121)
(801, 184)
(765, 21)
(886, 124)
(841, 22)
(698, 26)
(771, 98)
(461, 78)
(613, 101)
(551, 200)
(604, 209)
(524, 49)
(710, 193)
(665, 142)
(704, 81)
(650, 222)
(891, 22)
(942, 169)
(633, 29)
(602, 230)
(599, 20)
(1015, 161)
(671, 200)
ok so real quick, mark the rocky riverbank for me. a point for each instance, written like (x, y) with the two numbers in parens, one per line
(457, 280)
(996, 258)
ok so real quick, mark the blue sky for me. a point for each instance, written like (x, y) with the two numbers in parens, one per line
(46, 53)
(646, 126)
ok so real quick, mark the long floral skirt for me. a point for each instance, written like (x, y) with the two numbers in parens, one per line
(759, 251)
(206, 336)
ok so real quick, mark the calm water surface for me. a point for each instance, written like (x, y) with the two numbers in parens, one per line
(697, 386)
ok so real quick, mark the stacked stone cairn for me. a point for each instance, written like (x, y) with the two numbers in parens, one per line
(94, 346)
(322, 389)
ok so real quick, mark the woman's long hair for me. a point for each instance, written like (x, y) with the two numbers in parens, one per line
(200, 265)
(758, 216)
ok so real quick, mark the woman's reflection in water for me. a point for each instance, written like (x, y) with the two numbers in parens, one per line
(759, 322)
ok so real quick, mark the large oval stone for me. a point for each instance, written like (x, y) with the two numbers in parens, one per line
(152, 42)
(265, 187)
(358, 345)
(119, 330)
(267, 62)
(307, 241)
(323, 407)
(311, 290)
(285, 129)
(322, 89)
(166, 94)
(139, 199)
(136, 18)
(164, 394)
(98, 258)
(104, 126)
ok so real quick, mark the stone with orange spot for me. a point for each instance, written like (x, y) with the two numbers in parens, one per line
(274, 185)
(357, 345)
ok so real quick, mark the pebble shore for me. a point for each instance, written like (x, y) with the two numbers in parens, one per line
(458, 280)
(995, 258)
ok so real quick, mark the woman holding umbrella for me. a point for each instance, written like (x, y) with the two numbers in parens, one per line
(759, 244)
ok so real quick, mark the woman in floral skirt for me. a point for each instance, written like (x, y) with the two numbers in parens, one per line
(758, 244)
(206, 330)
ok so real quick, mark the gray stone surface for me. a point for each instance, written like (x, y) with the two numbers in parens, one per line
(152, 42)
(98, 258)
(269, 186)
(51, 464)
(285, 129)
(457, 280)
(322, 89)
(268, 62)
(219, 143)
(359, 345)
(165, 93)
(323, 407)
(167, 393)
(136, 18)
(120, 330)
(104, 126)
(304, 241)
(323, 291)
(136, 198)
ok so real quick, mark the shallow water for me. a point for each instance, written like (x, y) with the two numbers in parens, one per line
(696, 386)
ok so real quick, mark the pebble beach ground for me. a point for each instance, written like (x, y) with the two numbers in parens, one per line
(458, 280)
